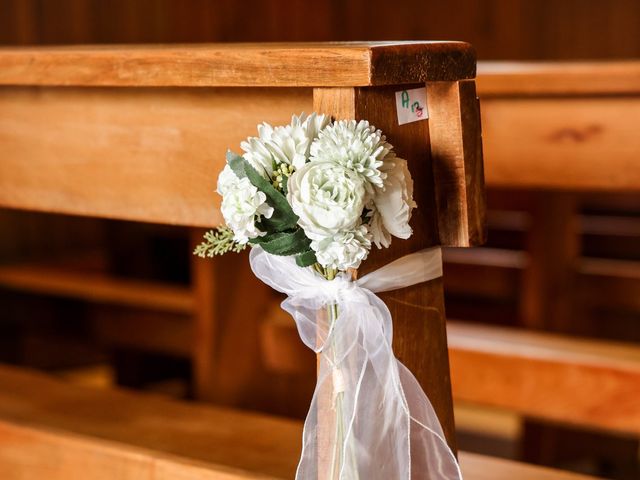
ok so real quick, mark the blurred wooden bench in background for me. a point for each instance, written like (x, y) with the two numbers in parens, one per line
(564, 128)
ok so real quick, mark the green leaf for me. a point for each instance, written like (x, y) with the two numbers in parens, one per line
(284, 243)
(306, 259)
(283, 217)
(236, 162)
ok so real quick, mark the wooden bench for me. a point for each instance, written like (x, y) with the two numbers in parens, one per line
(82, 124)
(50, 429)
(139, 133)
(549, 126)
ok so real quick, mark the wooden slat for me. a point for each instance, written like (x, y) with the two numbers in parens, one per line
(243, 65)
(497, 273)
(480, 467)
(456, 151)
(135, 154)
(562, 143)
(96, 287)
(558, 78)
(582, 382)
(143, 330)
(238, 441)
(609, 283)
(50, 429)
(483, 272)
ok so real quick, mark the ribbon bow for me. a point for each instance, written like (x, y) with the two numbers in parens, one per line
(382, 425)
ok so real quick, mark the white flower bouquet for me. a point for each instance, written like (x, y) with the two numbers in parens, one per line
(318, 190)
(318, 194)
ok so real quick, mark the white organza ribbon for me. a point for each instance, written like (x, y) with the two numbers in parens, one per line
(388, 428)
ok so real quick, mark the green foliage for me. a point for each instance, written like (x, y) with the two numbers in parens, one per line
(283, 236)
(218, 242)
(284, 243)
(307, 259)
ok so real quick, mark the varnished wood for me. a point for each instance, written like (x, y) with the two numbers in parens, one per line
(557, 139)
(553, 243)
(418, 311)
(96, 287)
(226, 348)
(558, 78)
(126, 434)
(456, 151)
(50, 429)
(148, 155)
(146, 330)
(238, 65)
(563, 379)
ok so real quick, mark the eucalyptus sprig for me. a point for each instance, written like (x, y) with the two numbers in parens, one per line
(218, 242)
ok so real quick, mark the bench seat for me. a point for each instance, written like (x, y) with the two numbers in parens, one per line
(55, 430)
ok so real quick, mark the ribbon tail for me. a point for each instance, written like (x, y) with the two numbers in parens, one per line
(376, 422)
(431, 456)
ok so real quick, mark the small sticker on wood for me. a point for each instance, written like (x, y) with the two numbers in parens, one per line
(411, 105)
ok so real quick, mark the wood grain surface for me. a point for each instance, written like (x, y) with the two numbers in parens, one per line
(51, 429)
(568, 380)
(141, 154)
(569, 143)
(558, 78)
(456, 152)
(238, 65)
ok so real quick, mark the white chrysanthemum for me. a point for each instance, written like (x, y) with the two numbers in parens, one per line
(344, 250)
(289, 144)
(355, 145)
(392, 205)
(328, 198)
(242, 205)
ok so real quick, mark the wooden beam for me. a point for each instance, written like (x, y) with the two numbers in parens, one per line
(553, 245)
(96, 287)
(55, 430)
(561, 143)
(80, 151)
(558, 78)
(546, 376)
(456, 152)
(238, 65)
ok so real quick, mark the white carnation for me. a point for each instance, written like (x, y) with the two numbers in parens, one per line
(289, 144)
(328, 198)
(343, 250)
(242, 205)
(355, 145)
(393, 204)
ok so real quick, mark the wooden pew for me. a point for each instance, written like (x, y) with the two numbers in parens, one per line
(566, 128)
(82, 125)
(123, 132)
(50, 429)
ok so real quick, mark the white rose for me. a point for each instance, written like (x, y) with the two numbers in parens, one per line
(242, 205)
(344, 250)
(393, 204)
(328, 198)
